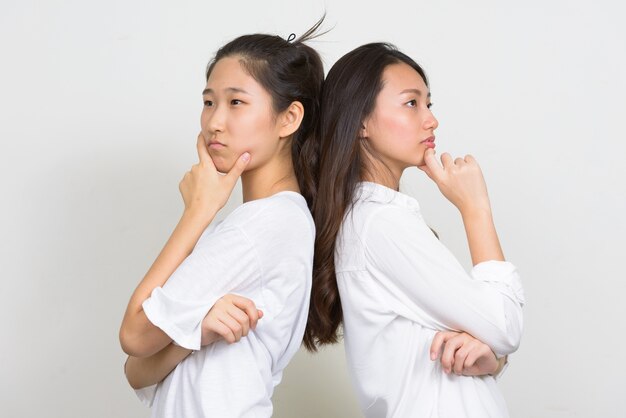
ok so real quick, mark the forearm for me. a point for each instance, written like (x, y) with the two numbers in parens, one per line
(138, 336)
(143, 372)
(482, 238)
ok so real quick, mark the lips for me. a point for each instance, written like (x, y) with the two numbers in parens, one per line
(429, 142)
(216, 145)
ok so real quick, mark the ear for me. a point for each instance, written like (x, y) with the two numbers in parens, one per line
(290, 119)
(363, 133)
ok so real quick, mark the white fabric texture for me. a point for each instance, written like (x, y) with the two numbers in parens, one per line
(399, 286)
(263, 251)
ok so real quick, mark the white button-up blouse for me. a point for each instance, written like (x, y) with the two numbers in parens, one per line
(399, 286)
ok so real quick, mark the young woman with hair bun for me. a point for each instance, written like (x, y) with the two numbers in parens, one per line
(222, 310)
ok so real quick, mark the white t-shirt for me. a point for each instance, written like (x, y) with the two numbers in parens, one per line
(399, 285)
(263, 251)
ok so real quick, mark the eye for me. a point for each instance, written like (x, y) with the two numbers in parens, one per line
(429, 105)
(412, 103)
(235, 102)
(208, 103)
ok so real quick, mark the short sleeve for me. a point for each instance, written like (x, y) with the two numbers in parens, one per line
(224, 261)
(146, 395)
(430, 286)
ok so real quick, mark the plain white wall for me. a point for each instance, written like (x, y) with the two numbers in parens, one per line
(99, 110)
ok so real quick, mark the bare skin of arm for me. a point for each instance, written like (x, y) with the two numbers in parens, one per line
(462, 183)
(205, 192)
(147, 371)
(230, 319)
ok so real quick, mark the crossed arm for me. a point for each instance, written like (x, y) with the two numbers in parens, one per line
(458, 352)
(151, 352)
(147, 371)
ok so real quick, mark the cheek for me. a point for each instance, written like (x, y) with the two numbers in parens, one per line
(399, 133)
(246, 132)
(394, 124)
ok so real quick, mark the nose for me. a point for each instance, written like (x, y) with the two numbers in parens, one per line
(214, 119)
(431, 122)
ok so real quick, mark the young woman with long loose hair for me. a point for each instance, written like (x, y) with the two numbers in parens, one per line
(411, 314)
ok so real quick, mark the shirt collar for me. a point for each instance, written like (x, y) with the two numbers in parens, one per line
(374, 192)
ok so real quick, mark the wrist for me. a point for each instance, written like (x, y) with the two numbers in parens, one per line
(476, 212)
(502, 361)
(209, 338)
(199, 217)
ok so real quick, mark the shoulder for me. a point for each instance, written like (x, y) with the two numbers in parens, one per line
(372, 217)
(279, 216)
(389, 225)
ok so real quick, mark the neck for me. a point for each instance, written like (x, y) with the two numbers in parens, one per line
(380, 173)
(275, 176)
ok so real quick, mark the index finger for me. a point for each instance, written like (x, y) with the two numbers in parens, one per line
(435, 170)
(438, 341)
(203, 152)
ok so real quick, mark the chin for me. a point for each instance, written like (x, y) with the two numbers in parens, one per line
(221, 164)
(417, 161)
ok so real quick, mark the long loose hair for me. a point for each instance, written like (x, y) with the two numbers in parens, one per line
(348, 98)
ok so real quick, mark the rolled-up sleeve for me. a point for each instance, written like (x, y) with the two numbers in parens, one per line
(222, 262)
(432, 288)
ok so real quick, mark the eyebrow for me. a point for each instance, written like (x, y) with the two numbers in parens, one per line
(229, 89)
(416, 91)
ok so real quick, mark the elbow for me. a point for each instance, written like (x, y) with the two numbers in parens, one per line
(131, 344)
(126, 342)
(511, 336)
(508, 346)
(508, 343)
(135, 338)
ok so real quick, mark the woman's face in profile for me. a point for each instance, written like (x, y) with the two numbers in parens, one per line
(401, 127)
(237, 116)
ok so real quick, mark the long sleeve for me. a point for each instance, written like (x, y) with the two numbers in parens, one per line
(432, 288)
(222, 262)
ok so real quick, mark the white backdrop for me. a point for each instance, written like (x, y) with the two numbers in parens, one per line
(99, 110)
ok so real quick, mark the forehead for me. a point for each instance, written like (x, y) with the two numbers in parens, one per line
(228, 73)
(401, 76)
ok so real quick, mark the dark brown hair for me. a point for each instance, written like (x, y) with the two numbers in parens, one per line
(348, 98)
(290, 71)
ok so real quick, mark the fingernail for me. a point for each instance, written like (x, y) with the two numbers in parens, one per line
(245, 157)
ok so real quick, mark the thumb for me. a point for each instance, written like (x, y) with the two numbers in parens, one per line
(238, 168)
